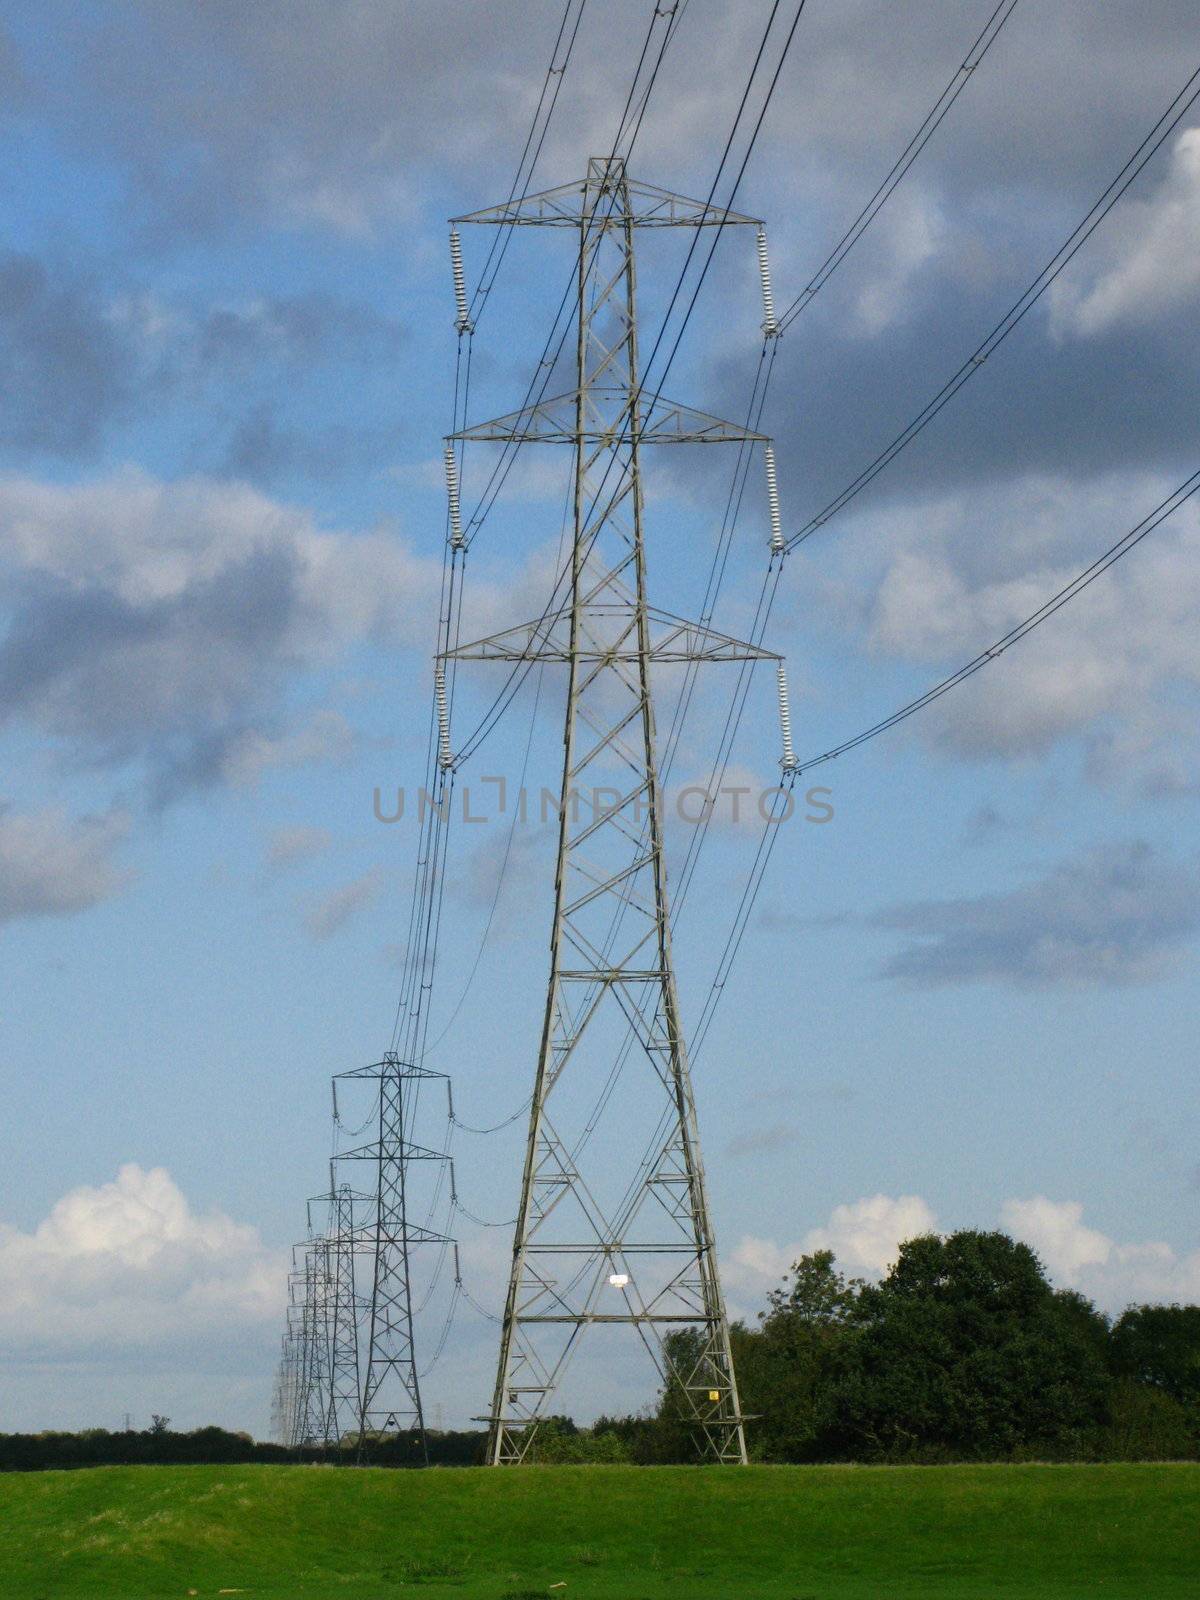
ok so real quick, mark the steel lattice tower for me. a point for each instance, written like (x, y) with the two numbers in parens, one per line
(390, 1400)
(647, 1258)
(339, 1400)
(312, 1406)
(344, 1389)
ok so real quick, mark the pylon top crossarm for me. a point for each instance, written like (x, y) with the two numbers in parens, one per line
(643, 205)
(390, 1067)
(344, 1193)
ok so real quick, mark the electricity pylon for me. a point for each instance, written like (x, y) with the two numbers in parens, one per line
(390, 1400)
(647, 1257)
(344, 1390)
(340, 1400)
(311, 1301)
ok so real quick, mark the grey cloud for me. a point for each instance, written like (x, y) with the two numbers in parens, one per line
(329, 112)
(12, 79)
(243, 753)
(159, 624)
(261, 448)
(1117, 915)
(77, 357)
(64, 372)
(759, 1141)
(290, 845)
(94, 666)
(331, 912)
(1118, 671)
(1123, 397)
(288, 112)
(295, 328)
(310, 112)
(52, 865)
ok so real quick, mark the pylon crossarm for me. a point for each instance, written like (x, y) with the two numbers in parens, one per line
(388, 1152)
(571, 205)
(557, 421)
(390, 1067)
(547, 639)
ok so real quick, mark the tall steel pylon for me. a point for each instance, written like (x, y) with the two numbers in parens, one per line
(646, 1257)
(390, 1400)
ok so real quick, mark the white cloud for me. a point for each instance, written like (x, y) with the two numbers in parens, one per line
(52, 865)
(1151, 265)
(948, 576)
(1079, 1257)
(910, 234)
(325, 737)
(145, 541)
(129, 1265)
(865, 1237)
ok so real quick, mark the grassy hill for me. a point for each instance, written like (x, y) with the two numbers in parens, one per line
(762, 1533)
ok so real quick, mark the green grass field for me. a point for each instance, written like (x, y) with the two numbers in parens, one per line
(779, 1533)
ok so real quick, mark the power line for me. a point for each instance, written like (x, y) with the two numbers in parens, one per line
(903, 162)
(1162, 129)
(1047, 609)
(439, 780)
(518, 672)
(630, 125)
(554, 74)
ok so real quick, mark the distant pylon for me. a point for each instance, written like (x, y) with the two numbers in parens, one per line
(333, 1376)
(644, 1257)
(345, 1393)
(390, 1399)
(312, 1408)
(283, 1400)
(295, 1360)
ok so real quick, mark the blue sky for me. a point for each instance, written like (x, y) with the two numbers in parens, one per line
(227, 354)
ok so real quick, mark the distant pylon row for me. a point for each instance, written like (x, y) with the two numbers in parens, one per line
(347, 1374)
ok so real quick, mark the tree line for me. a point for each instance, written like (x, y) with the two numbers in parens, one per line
(963, 1352)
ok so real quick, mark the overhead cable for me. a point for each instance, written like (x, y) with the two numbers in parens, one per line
(1161, 131)
(1064, 596)
(902, 164)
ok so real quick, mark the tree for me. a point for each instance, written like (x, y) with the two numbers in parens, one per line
(786, 1371)
(965, 1350)
(1160, 1346)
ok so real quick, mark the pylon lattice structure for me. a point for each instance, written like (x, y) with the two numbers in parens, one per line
(389, 1401)
(345, 1392)
(642, 1257)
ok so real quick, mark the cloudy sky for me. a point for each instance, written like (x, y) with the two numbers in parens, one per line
(226, 364)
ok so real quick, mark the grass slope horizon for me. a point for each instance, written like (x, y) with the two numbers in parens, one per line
(766, 1533)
